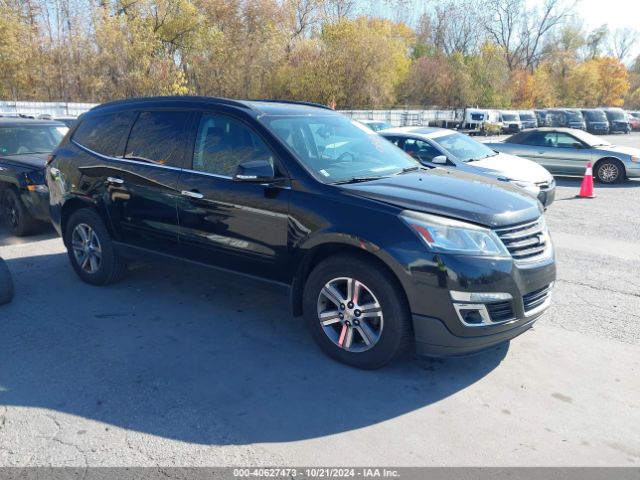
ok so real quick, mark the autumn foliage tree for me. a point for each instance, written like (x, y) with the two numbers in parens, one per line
(494, 53)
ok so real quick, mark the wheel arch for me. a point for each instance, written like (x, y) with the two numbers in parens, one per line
(615, 159)
(70, 207)
(323, 251)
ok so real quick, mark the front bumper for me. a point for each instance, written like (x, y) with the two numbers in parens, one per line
(619, 127)
(547, 196)
(602, 128)
(437, 322)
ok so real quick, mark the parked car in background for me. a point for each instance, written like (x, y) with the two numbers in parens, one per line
(596, 121)
(510, 121)
(565, 117)
(528, 119)
(437, 147)
(541, 117)
(24, 147)
(375, 125)
(374, 249)
(618, 122)
(634, 120)
(567, 151)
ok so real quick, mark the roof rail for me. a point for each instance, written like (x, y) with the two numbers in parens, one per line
(188, 98)
(294, 102)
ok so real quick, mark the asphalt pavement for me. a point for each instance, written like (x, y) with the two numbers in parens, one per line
(182, 366)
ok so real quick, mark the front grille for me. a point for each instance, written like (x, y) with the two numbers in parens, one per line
(526, 242)
(500, 312)
(534, 299)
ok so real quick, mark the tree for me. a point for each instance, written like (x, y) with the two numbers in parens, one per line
(622, 42)
(596, 42)
(613, 81)
(520, 31)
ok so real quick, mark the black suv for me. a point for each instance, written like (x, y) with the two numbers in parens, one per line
(375, 250)
(24, 147)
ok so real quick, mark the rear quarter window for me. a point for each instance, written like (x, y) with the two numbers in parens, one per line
(104, 134)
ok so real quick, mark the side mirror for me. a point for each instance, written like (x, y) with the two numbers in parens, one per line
(439, 160)
(255, 171)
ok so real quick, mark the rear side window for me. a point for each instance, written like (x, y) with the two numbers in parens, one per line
(159, 138)
(104, 134)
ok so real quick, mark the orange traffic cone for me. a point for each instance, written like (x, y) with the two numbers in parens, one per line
(586, 189)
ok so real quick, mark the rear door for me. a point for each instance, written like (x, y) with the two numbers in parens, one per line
(143, 185)
(240, 226)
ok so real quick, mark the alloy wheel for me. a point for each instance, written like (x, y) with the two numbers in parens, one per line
(350, 314)
(608, 173)
(86, 248)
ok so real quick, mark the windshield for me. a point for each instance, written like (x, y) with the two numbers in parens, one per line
(616, 115)
(22, 140)
(596, 116)
(337, 149)
(527, 116)
(464, 148)
(573, 116)
(589, 139)
(510, 117)
(377, 126)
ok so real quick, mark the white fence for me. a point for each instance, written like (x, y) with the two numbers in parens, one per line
(403, 118)
(397, 117)
(51, 108)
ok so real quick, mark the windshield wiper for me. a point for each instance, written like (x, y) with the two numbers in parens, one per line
(410, 169)
(31, 153)
(358, 180)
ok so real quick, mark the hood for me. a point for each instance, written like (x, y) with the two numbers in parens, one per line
(464, 196)
(512, 167)
(33, 160)
(619, 149)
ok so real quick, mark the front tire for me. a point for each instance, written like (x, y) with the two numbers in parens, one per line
(91, 250)
(16, 215)
(356, 313)
(609, 171)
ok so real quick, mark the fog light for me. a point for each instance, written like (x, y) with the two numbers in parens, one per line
(472, 317)
(473, 314)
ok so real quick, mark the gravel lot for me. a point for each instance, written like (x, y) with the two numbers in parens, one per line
(183, 366)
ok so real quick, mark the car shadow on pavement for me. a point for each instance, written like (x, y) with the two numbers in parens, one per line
(193, 355)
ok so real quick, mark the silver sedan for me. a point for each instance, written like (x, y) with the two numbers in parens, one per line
(565, 151)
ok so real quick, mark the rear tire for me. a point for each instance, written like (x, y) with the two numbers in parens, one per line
(384, 318)
(16, 215)
(6, 284)
(91, 250)
(610, 171)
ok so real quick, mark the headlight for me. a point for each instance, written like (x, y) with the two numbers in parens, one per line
(38, 188)
(452, 236)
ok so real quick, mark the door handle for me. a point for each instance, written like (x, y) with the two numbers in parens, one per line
(115, 180)
(192, 194)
